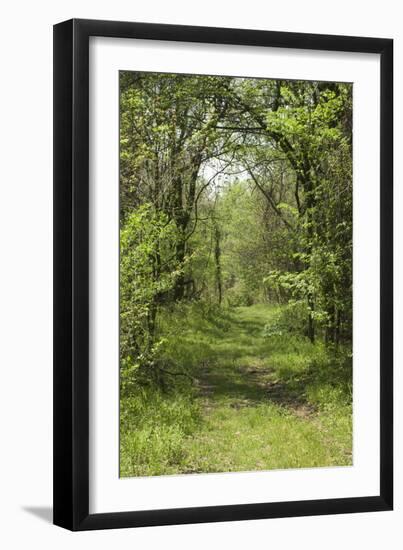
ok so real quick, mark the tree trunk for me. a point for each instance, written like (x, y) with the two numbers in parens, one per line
(180, 252)
(217, 258)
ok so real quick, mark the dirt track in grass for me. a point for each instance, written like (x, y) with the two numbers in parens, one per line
(256, 412)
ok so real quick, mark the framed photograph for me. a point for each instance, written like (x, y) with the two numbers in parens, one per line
(222, 274)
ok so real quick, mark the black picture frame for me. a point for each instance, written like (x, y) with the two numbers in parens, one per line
(71, 274)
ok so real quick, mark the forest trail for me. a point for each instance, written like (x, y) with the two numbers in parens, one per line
(254, 411)
(262, 398)
(235, 277)
(249, 380)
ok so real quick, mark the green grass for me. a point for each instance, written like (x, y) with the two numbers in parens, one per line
(154, 430)
(260, 400)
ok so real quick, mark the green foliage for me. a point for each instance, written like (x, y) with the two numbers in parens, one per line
(235, 273)
(285, 228)
(148, 272)
(290, 319)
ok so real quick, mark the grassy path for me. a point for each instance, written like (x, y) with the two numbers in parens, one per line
(256, 411)
(262, 402)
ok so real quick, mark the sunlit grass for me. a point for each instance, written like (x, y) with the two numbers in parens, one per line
(258, 402)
